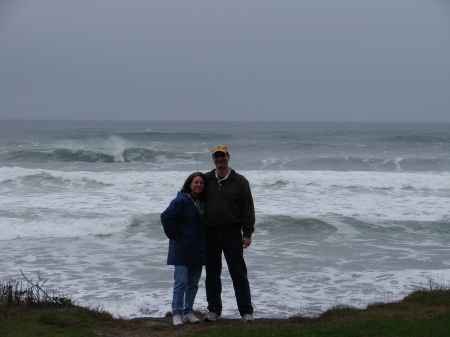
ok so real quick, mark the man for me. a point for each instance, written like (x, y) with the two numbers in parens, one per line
(230, 220)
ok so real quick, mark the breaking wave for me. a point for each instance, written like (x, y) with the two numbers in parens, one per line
(87, 155)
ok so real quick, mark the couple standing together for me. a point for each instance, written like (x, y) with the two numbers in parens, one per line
(213, 213)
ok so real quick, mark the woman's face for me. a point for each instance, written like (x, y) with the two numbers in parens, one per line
(197, 185)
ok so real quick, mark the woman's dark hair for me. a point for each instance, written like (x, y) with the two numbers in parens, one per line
(186, 186)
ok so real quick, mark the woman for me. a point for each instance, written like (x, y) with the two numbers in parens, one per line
(183, 225)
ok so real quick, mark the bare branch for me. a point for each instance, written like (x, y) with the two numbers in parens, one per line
(38, 287)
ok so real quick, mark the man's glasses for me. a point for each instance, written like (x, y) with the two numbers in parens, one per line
(218, 155)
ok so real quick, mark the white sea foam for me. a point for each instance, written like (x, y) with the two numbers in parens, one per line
(118, 145)
(394, 196)
(66, 196)
(128, 276)
(12, 228)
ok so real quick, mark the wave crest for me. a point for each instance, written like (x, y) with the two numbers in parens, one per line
(87, 155)
(13, 228)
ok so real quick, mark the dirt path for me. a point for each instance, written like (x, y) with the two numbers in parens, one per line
(162, 327)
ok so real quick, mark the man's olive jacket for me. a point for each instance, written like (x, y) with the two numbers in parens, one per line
(229, 203)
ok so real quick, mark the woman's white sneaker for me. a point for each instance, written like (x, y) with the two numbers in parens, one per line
(177, 320)
(190, 318)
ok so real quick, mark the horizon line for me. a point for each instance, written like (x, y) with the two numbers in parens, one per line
(215, 121)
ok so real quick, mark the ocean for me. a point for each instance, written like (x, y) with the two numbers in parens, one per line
(346, 213)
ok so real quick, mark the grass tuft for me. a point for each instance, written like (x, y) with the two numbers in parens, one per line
(429, 297)
(51, 318)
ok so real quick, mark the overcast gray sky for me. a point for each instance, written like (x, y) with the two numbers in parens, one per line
(299, 60)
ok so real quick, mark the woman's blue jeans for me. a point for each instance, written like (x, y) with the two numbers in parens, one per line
(185, 288)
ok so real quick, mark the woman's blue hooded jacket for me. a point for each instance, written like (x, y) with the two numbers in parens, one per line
(183, 224)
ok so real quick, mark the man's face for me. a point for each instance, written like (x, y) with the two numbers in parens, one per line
(221, 159)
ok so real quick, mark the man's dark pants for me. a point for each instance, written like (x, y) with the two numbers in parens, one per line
(228, 240)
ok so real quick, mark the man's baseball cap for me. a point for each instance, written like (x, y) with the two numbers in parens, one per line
(219, 148)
